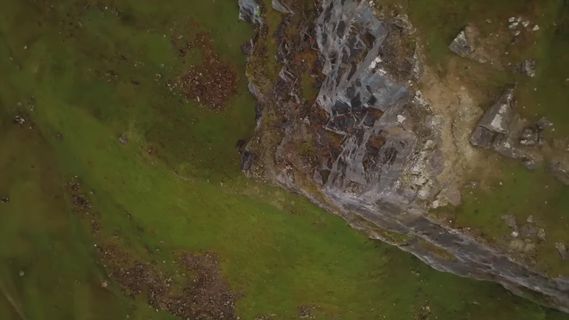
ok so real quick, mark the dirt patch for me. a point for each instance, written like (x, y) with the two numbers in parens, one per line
(212, 82)
(456, 113)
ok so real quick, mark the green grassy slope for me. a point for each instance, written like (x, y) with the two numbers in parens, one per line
(73, 70)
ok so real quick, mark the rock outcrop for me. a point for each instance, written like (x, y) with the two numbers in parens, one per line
(370, 147)
(462, 44)
(250, 11)
(501, 129)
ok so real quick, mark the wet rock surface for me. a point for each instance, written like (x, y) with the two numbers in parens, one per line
(373, 152)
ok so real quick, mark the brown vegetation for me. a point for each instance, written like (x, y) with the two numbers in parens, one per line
(212, 82)
(195, 289)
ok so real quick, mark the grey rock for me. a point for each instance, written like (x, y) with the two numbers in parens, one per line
(560, 170)
(544, 124)
(541, 234)
(517, 245)
(530, 136)
(499, 117)
(528, 67)
(123, 139)
(19, 120)
(247, 159)
(350, 39)
(498, 130)
(373, 183)
(562, 250)
(250, 11)
(533, 135)
(529, 247)
(510, 221)
(483, 138)
(462, 44)
(281, 7)
(495, 123)
(529, 231)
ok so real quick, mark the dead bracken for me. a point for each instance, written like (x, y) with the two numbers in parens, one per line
(212, 82)
(199, 292)
(195, 289)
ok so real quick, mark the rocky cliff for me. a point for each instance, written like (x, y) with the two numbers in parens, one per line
(370, 146)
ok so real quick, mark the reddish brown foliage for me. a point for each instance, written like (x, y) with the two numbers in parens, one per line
(212, 82)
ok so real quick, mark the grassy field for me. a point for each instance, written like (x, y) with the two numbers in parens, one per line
(84, 73)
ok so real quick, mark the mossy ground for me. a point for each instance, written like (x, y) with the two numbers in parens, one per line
(82, 74)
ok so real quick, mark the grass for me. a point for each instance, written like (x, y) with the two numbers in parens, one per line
(521, 193)
(278, 250)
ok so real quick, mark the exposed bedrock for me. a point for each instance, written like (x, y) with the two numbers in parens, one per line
(377, 160)
(250, 11)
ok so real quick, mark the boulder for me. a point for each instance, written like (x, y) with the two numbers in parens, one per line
(499, 117)
(501, 129)
(495, 122)
(462, 44)
(247, 159)
(530, 136)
